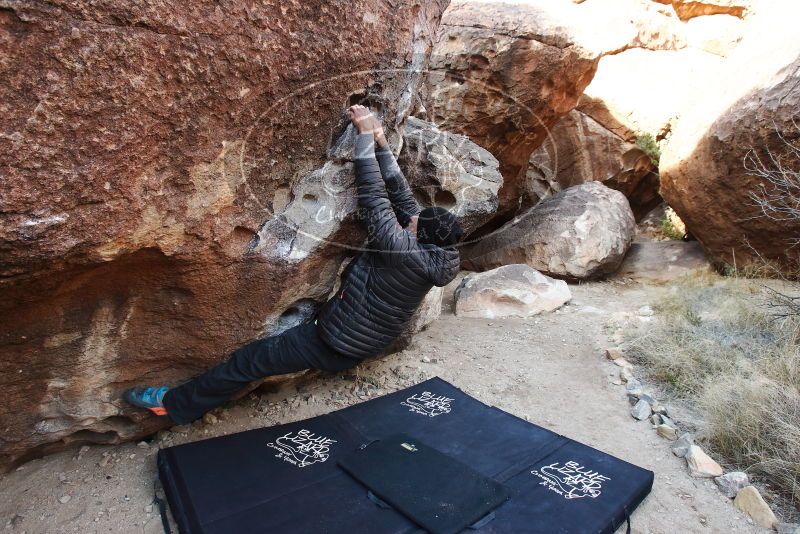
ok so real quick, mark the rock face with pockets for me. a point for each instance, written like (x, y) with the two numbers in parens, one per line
(580, 233)
(175, 183)
(510, 291)
(451, 171)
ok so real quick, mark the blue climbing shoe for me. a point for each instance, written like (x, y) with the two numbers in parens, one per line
(149, 398)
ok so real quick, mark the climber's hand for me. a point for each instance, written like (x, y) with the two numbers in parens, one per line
(365, 122)
(363, 119)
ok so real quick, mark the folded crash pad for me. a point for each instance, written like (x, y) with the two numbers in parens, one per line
(286, 479)
(433, 489)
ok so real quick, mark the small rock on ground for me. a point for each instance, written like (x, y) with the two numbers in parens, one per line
(634, 387)
(701, 464)
(681, 447)
(659, 408)
(210, 419)
(655, 419)
(626, 375)
(634, 397)
(666, 420)
(730, 483)
(750, 501)
(641, 410)
(668, 432)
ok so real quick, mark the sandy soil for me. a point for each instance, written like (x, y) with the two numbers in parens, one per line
(548, 369)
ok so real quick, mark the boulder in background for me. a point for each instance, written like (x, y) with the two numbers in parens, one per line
(579, 150)
(741, 134)
(580, 233)
(510, 291)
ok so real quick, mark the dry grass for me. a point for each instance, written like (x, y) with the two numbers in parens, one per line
(715, 344)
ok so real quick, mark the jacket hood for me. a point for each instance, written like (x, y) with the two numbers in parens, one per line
(444, 264)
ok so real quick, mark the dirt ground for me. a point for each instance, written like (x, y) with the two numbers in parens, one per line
(549, 369)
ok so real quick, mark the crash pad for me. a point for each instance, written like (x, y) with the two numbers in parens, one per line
(286, 478)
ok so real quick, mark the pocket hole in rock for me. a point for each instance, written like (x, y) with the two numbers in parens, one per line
(444, 199)
(298, 313)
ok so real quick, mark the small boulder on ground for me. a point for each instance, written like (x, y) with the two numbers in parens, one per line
(750, 501)
(655, 419)
(580, 233)
(638, 394)
(509, 291)
(730, 483)
(681, 447)
(659, 408)
(634, 387)
(641, 410)
(667, 431)
(622, 362)
(664, 419)
(700, 464)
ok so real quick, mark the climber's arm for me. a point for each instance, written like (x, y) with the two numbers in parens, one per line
(403, 202)
(383, 231)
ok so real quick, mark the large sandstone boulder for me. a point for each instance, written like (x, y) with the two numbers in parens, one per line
(172, 187)
(716, 34)
(503, 73)
(582, 232)
(509, 291)
(741, 135)
(580, 150)
(640, 91)
(451, 171)
(629, 94)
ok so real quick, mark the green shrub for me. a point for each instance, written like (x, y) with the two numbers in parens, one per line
(648, 144)
(669, 230)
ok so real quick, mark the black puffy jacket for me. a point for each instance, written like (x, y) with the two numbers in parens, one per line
(384, 285)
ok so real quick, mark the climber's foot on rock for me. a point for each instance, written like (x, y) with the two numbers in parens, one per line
(149, 398)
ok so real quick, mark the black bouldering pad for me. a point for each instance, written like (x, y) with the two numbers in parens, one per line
(434, 490)
(286, 479)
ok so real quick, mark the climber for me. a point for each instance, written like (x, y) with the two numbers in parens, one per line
(407, 252)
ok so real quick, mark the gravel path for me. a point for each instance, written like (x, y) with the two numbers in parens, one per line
(548, 369)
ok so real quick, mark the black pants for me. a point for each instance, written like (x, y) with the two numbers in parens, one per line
(297, 349)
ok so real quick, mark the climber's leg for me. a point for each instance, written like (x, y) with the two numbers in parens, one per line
(295, 350)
